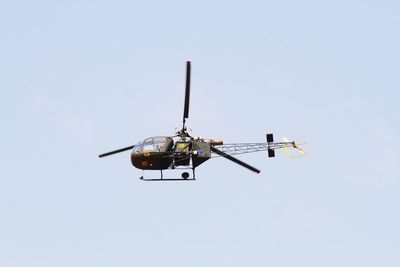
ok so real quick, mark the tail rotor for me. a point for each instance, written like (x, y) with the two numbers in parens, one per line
(294, 150)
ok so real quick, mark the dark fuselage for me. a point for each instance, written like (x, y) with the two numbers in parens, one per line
(151, 160)
(160, 153)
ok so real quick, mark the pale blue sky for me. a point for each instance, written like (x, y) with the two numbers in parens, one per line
(78, 78)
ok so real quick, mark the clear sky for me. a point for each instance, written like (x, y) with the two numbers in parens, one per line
(78, 78)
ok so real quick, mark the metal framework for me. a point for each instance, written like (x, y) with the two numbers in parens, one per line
(243, 148)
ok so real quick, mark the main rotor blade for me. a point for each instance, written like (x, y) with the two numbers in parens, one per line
(227, 156)
(115, 151)
(187, 92)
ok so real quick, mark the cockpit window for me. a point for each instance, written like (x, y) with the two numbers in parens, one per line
(154, 144)
(148, 145)
(159, 142)
(138, 148)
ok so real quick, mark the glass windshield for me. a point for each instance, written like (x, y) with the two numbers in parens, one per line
(159, 142)
(148, 145)
(138, 148)
(152, 144)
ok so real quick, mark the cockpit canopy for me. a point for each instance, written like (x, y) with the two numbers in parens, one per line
(154, 144)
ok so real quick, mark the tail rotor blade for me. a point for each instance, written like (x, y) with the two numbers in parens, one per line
(115, 151)
(187, 92)
(237, 161)
(301, 151)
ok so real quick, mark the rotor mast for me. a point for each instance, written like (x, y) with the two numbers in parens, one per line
(183, 131)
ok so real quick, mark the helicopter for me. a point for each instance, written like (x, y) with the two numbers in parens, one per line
(182, 152)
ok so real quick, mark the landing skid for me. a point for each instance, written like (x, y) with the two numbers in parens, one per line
(166, 179)
(184, 177)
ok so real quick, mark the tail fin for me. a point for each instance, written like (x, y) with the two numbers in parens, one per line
(270, 139)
